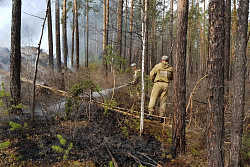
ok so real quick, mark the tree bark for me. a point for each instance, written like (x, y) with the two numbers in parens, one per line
(239, 85)
(87, 39)
(73, 39)
(178, 128)
(215, 114)
(15, 55)
(227, 43)
(131, 32)
(58, 46)
(50, 37)
(163, 29)
(171, 32)
(76, 34)
(119, 27)
(65, 40)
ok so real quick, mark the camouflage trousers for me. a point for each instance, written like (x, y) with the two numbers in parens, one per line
(160, 90)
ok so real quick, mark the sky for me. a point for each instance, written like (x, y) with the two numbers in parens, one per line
(31, 26)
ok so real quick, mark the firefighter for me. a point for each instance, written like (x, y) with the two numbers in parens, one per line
(161, 74)
(135, 89)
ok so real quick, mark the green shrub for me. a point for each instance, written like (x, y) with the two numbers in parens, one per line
(59, 149)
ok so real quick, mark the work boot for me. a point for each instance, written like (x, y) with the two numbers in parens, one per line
(150, 118)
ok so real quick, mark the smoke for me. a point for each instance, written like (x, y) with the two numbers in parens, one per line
(31, 25)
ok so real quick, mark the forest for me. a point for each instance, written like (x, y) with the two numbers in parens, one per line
(85, 99)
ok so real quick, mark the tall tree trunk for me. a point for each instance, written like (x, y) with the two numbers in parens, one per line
(131, 33)
(15, 55)
(50, 37)
(125, 31)
(204, 38)
(153, 36)
(178, 128)
(233, 38)
(227, 44)
(146, 55)
(87, 39)
(163, 29)
(144, 11)
(77, 34)
(119, 27)
(104, 48)
(58, 46)
(215, 114)
(171, 31)
(189, 56)
(73, 39)
(107, 23)
(65, 40)
(239, 85)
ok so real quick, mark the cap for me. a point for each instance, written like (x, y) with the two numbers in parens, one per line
(165, 58)
(133, 64)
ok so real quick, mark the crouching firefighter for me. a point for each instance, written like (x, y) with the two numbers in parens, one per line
(135, 89)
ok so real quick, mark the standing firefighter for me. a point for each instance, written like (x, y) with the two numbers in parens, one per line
(161, 74)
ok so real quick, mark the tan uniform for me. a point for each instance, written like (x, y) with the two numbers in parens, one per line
(161, 74)
(135, 91)
(136, 77)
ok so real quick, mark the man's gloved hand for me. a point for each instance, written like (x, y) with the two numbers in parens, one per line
(127, 84)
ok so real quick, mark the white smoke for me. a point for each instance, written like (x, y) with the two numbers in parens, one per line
(31, 26)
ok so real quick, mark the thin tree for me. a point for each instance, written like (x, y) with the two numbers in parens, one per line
(125, 30)
(36, 64)
(215, 110)
(64, 28)
(171, 31)
(239, 85)
(131, 32)
(15, 55)
(163, 29)
(119, 27)
(87, 38)
(50, 37)
(76, 33)
(104, 46)
(73, 39)
(58, 46)
(144, 11)
(178, 128)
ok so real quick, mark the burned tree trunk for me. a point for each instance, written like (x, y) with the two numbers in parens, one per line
(15, 55)
(178, 128)
(215, 110)
(239, 85)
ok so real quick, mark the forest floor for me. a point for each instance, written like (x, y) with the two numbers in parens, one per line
(93, 136)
